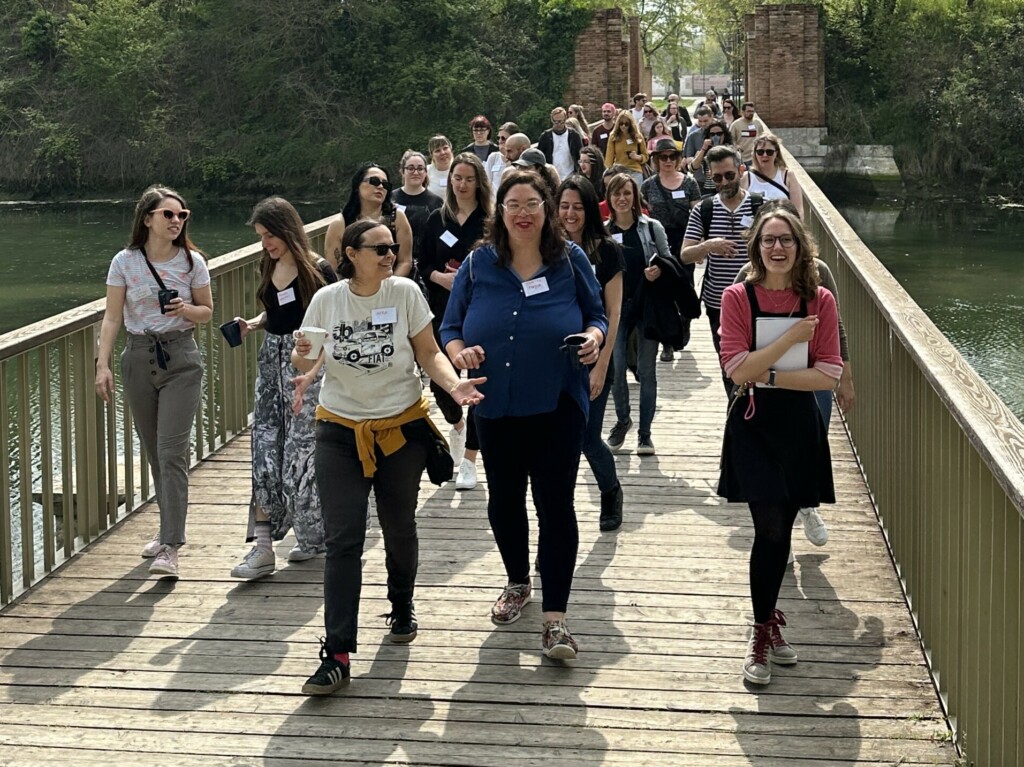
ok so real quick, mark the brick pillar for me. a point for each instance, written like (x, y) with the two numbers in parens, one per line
(636, 59)
(601, 69)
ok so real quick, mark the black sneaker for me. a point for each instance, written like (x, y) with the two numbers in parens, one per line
(667, 355)
(402, 620)
(618, 433)
(331, 676)
(644, 446)
(611, 509)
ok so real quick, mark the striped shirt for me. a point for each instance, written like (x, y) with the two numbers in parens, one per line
(128, 270)
(721, 271)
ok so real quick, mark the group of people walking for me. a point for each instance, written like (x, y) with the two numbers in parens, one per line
(526, 290)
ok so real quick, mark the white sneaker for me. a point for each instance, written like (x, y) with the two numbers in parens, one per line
(255, 564)
(467, 475)
(152, 548)
(457, 443)
(166, 563)
(299, 554)
(814, 526)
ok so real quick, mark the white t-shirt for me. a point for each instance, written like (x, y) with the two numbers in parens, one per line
(561, 158)
(438, 180)
(369, 357)
(638, 114)
(495, 166)
(141, 307)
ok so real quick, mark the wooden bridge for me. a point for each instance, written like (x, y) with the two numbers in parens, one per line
(102, 664)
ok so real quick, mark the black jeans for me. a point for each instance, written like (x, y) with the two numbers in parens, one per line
(544, 449)
(344, 492)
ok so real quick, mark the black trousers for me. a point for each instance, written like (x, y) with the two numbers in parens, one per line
(452, 412)
(543, 450)
(344, 493)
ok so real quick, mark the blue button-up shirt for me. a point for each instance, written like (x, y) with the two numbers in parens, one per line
(526, 368)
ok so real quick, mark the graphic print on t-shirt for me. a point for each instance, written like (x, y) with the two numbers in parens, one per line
(363, 345)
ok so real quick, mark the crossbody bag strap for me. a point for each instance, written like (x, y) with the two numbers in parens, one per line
(773, 182)
(156, 274)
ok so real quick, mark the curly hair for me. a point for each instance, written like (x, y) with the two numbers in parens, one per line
(805, 274)
(552, 244)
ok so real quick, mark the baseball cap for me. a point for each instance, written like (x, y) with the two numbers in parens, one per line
(530, 157)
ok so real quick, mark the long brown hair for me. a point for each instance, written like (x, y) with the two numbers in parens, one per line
(552, 244)
(149, 200)
(279, 217)
(450, 209)
(805, 273)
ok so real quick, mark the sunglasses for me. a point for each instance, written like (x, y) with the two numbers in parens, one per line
(170, 215)
(719, 177)
(377, 181)
(764, 152)
(716, 133)
(381, 250)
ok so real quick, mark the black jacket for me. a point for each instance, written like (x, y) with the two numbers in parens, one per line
(546, 144)
(666, 302)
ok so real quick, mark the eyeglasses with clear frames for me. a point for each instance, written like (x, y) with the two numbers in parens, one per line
(514, 208)
(415, 169)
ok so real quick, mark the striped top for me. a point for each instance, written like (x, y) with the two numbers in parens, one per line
(721, 271)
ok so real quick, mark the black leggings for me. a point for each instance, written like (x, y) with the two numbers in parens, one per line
(773, 533)
(452, 412)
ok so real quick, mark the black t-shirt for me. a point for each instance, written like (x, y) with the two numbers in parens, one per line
(438, 249)
(282, 319)
(418, 208)
(611, 263)
(634, 258)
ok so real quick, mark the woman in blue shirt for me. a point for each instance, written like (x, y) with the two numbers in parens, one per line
(513, 303)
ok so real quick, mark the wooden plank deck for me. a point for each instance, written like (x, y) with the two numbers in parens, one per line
(102, 665)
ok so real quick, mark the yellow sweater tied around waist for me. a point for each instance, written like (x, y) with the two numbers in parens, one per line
(385, 432)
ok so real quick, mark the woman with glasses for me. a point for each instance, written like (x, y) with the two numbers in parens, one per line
(498, 161)
(769, 176)
(526, 312)
(373, 431)
(775, 455)
(159, 287)
(627, 146)
(642, 239)
(481, 146)
(370, 197)
(581, 221)
(450, 235)
(440, 150)
(413, 198)
(284, 493)
(716, 134)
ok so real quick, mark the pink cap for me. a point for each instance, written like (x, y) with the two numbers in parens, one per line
(608, 105)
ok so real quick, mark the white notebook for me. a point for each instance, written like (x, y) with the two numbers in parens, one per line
(769, 330)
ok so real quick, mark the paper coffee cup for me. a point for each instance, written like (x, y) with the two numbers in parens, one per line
(316, 336)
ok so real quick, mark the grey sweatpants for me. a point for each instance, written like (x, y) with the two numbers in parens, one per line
(164, 404)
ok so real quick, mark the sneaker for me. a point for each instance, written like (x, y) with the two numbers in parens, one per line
(166, 563)
(402, 620)
(667, 355)
(757, 668)
(814, 526)
(645, 446)
(467, 475)
(779, 650)
(257, 563)
(611, 509)
(509, 607)
(152, 548)
(618, 433)
(558, 642)
(331, 676)
(457, 443)
(299, 554)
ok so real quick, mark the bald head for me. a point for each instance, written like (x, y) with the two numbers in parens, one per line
(515, 145)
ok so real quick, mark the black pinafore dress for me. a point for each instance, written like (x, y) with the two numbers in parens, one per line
(775, 448)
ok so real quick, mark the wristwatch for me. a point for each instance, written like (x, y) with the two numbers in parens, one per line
(771, 376)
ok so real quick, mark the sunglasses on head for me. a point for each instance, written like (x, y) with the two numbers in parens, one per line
(170, 215)
(728, 176)
(377, 181)
(382, 249)
(764, 152)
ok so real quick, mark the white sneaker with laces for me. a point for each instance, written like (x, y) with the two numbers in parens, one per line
(466, 480)
(166, 563)
(814, 526)
(457, 444)
(257, 563)
(299, 554)
(152, 548)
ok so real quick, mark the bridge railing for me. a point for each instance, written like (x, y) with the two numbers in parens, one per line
(944, 460)
(75, 466)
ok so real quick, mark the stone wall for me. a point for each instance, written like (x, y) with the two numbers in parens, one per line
(785, 66)
(609, 63)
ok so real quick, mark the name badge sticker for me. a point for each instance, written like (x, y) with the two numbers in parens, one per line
(385, 316)
(449, 239)
(603, 136)
(629, 141)
(139, 293)
(399, 208)
(443, 181)
(746, 221)
(617, 236)
(285, 296)
(533, 287)
(679, 194)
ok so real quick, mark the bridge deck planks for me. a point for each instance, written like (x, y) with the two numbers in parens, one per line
(100, 663)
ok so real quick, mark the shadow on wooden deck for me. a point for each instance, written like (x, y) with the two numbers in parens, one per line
(101, 664)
